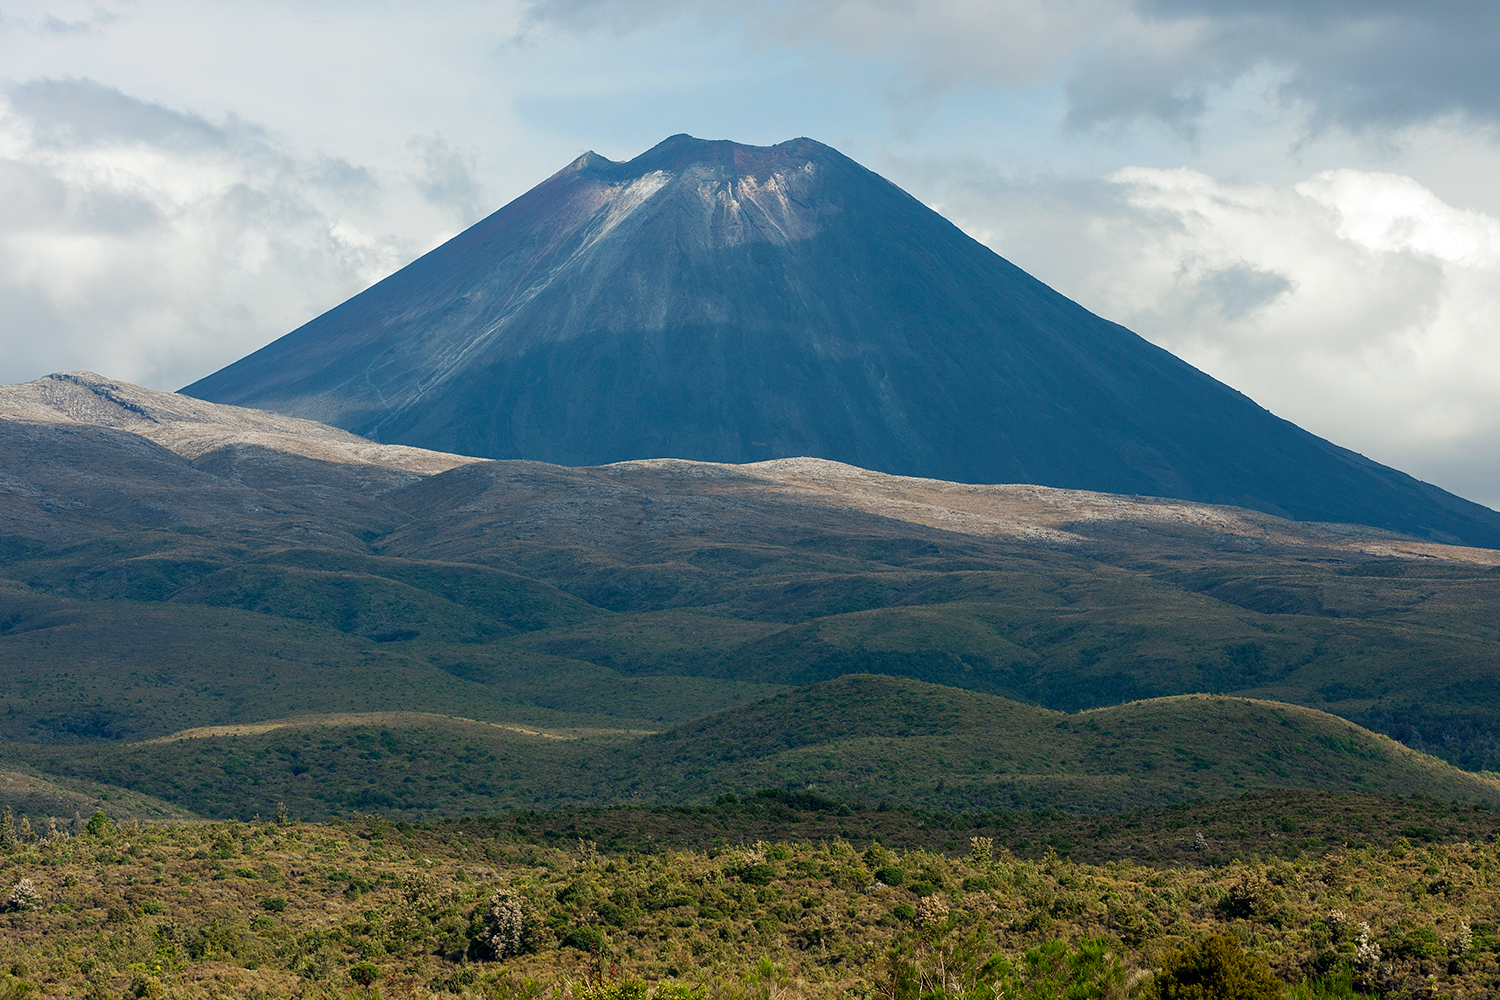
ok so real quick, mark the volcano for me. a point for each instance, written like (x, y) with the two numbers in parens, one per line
(729, 303)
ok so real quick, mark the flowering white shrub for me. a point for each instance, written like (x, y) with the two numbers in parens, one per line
(931, 910)
(1366, 951)
(1465, 940)
(505, 925)
(23, 897)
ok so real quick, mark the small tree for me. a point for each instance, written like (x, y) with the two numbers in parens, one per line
(98, 824)
(7, 831)
(1215, 969)
(365, 974)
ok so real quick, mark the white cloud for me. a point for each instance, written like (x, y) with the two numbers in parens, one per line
(942, 45)
(156, 245)
(448, 178)
(1355, 303)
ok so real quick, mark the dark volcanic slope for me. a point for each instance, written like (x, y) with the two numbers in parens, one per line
(730, 303)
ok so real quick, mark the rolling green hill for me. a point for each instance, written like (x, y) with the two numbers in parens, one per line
(887, 739)
(867, 738)
(66, 802)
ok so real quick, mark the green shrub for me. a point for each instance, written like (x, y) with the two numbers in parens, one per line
(1253, 898)
(576, 891)
(365, 974)
(146, 987)
(1217, 968)
(1054, 971)
(1420, 943)
(276, 904)
(678, 991)
(98, 825)
(585, 938)
(1335, 985)
(890, 875)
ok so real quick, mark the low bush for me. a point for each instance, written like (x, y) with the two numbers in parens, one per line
(1216, 968)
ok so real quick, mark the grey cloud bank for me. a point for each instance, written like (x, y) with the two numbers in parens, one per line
(1356, 65)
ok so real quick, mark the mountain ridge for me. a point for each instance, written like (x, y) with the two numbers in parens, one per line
(207, 434)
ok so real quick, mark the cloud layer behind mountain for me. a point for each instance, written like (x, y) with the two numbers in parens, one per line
(1354, 302)
(146, 242)
(1360, 65)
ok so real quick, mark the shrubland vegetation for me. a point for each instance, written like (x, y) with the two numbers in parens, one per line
(497, 907)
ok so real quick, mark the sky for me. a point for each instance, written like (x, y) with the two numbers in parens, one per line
(1297, 196)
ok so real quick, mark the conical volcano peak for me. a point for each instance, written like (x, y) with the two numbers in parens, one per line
(682, 152)
(721, 193)
(723, 302)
